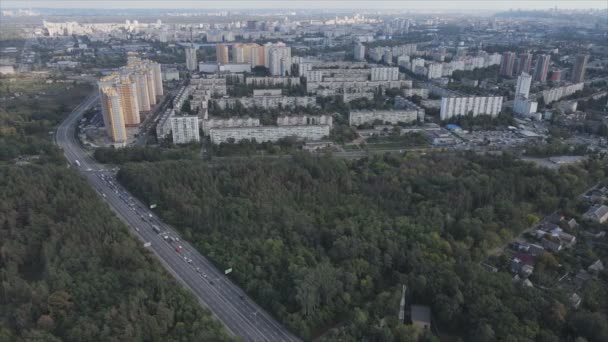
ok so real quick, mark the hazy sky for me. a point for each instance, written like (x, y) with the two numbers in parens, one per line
(300, 4)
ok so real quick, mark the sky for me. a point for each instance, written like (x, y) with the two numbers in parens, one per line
(311, 4)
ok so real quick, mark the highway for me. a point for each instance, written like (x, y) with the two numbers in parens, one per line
(240, 315)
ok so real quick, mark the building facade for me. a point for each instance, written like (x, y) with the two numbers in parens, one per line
(578, 69)
(359, 117)
(185, 129)
(191, 59)
(474, 105)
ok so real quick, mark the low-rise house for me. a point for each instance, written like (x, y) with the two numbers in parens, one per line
(572, 224)
(535, 249)
(596, 267)
(555, 218)
(597, 213)
(553, 245)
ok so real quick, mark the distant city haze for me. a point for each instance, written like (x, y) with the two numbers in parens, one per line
(438, 5)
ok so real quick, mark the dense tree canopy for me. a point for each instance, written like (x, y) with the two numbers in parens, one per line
(325, 243)
(70, 271)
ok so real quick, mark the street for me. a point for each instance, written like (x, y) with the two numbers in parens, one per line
(228, 303)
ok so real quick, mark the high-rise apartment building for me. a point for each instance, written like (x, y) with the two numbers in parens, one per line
(127, 93)
(277, 58)
(191, 60)
(507, 63)
(221, 54)
(112, 113)
(524, 63)
(542, 67)
(523, 85)
(359, 52)
(578, 69)
(249, 53)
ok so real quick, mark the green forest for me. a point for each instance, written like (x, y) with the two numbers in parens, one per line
(326, 244)
(69, 269)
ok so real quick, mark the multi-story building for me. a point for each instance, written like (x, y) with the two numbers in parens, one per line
(558, 93)
(387, 58)
(473, 105)
(127, 92)
(210, 123)
(267, 102)
(268, 133)
(280, 81)
(314, 76)
(277, 58)
(355, 86)
(191, 60)
(507, 63)
(348, 97)
(112, 113)
(403, 103)
(221, 54)
(299, 120)
(556, 75)
(359, 52)
(523, 85)
(210, 85)
(542, 67)
(524, 63)
(523, 106)
(163, 126)
(384, 74)
(250, 53)
(185, 129)
(578, 69)
(359, 117)
(434, 70)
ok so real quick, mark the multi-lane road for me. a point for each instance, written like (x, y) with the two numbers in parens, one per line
(229, 304)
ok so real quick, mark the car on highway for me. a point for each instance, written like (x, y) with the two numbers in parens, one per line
(178, 249)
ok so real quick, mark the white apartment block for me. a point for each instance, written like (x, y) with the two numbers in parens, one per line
(385, 74)
(210, 123)
(348, 97)
(434, 70)
(212, 85)
(524, 107)
(268, 102)
(355, 87)
(359, 52)
(314, 76)
(185, 129)
(300, 120)
(359, 117)
(267, 92)
(268, 133)
(277, 58)
(163, 126)
(191, 60)
(558, 93)
(280, 81)
(422, 92)
(523, 85)
(477, 105)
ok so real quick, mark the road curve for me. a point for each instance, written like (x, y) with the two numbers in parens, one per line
(229, 304)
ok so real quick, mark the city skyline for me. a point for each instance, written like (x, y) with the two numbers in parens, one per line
(414, 5)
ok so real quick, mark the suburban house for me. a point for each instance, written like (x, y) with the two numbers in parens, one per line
(597, 213)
